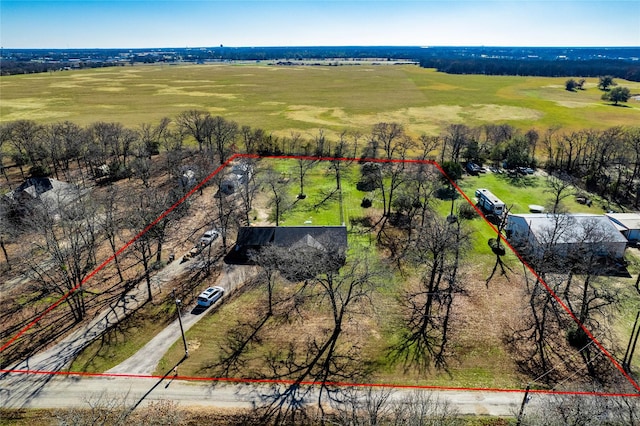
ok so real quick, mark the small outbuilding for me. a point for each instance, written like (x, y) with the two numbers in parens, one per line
(239, 176)
(627, 223)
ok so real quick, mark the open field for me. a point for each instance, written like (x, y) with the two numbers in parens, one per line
(304, 99)
(483, 315)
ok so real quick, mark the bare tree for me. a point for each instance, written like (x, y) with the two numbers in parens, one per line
(277, 184)
(456, 138)
(226, 213)
(583, 410)
(115, 410)
(303, 167)
(560, 188)
(325, 358)
(224, 134)
(427, 309)
(428, 144)
(26, 138)
(144, 221)
(385, 136)
(152, 136)
(110, 144)
(104, 409)
(69, 231)
(362, 407)
(112, 216)
(8, 230)
(420, 407)
(5, 136)
(497, 246)
(64, 143)
(197, 124)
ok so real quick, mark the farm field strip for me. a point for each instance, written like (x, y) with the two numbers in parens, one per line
(305, 99)
(293, 157)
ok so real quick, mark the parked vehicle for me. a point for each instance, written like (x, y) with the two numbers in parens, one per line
(209, 237)
(473, 168)
(526, 170)
(210, 296)
(489, 202)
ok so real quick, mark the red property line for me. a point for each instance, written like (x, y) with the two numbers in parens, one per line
(314, 158)
(110, 259)
(316, 383)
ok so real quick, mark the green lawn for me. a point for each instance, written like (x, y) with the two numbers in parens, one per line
(477, 364)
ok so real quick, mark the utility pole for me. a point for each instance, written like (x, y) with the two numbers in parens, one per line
(184, 339)
(626, 362)
(633, 348)
(524, 402)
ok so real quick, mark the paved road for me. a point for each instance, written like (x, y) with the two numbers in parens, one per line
(74, 391)
(64, 352)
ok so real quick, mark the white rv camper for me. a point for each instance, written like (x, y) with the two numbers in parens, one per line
(489, 202)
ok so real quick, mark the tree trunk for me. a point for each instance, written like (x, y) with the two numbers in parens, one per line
(4, 251)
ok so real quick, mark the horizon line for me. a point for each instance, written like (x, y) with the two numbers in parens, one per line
(417, 46)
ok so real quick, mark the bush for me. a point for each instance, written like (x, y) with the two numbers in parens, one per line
(467, 212)
(39, 171)
(366, 203)
(577, 337)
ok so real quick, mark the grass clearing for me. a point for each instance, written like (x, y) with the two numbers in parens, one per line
(475, 364)
(125, 339)
(305, 99)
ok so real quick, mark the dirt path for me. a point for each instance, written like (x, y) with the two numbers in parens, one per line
(146, 359)
(60, 356)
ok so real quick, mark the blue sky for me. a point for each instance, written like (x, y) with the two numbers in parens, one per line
(197, 23)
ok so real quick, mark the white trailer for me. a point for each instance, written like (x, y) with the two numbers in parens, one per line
(489, 202)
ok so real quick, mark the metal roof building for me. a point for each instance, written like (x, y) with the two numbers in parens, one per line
(627, 223)
(565, 233)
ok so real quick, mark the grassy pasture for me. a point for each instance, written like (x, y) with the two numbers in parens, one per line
(479, 361)
(305, 99)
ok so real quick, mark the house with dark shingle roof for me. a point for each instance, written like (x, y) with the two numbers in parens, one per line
(52, 193)
(252, 238)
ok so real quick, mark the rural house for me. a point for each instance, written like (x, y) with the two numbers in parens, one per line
(50, 192)
(318, 238)
(565, 234)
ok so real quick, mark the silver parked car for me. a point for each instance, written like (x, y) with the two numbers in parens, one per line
(209, 237)
(210, 296)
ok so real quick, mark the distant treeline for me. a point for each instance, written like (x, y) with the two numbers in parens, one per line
(545, 68)
(8, 67)
(619, 62)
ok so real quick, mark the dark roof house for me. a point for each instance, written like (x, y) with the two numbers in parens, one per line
(321, 238)
(51, 192)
